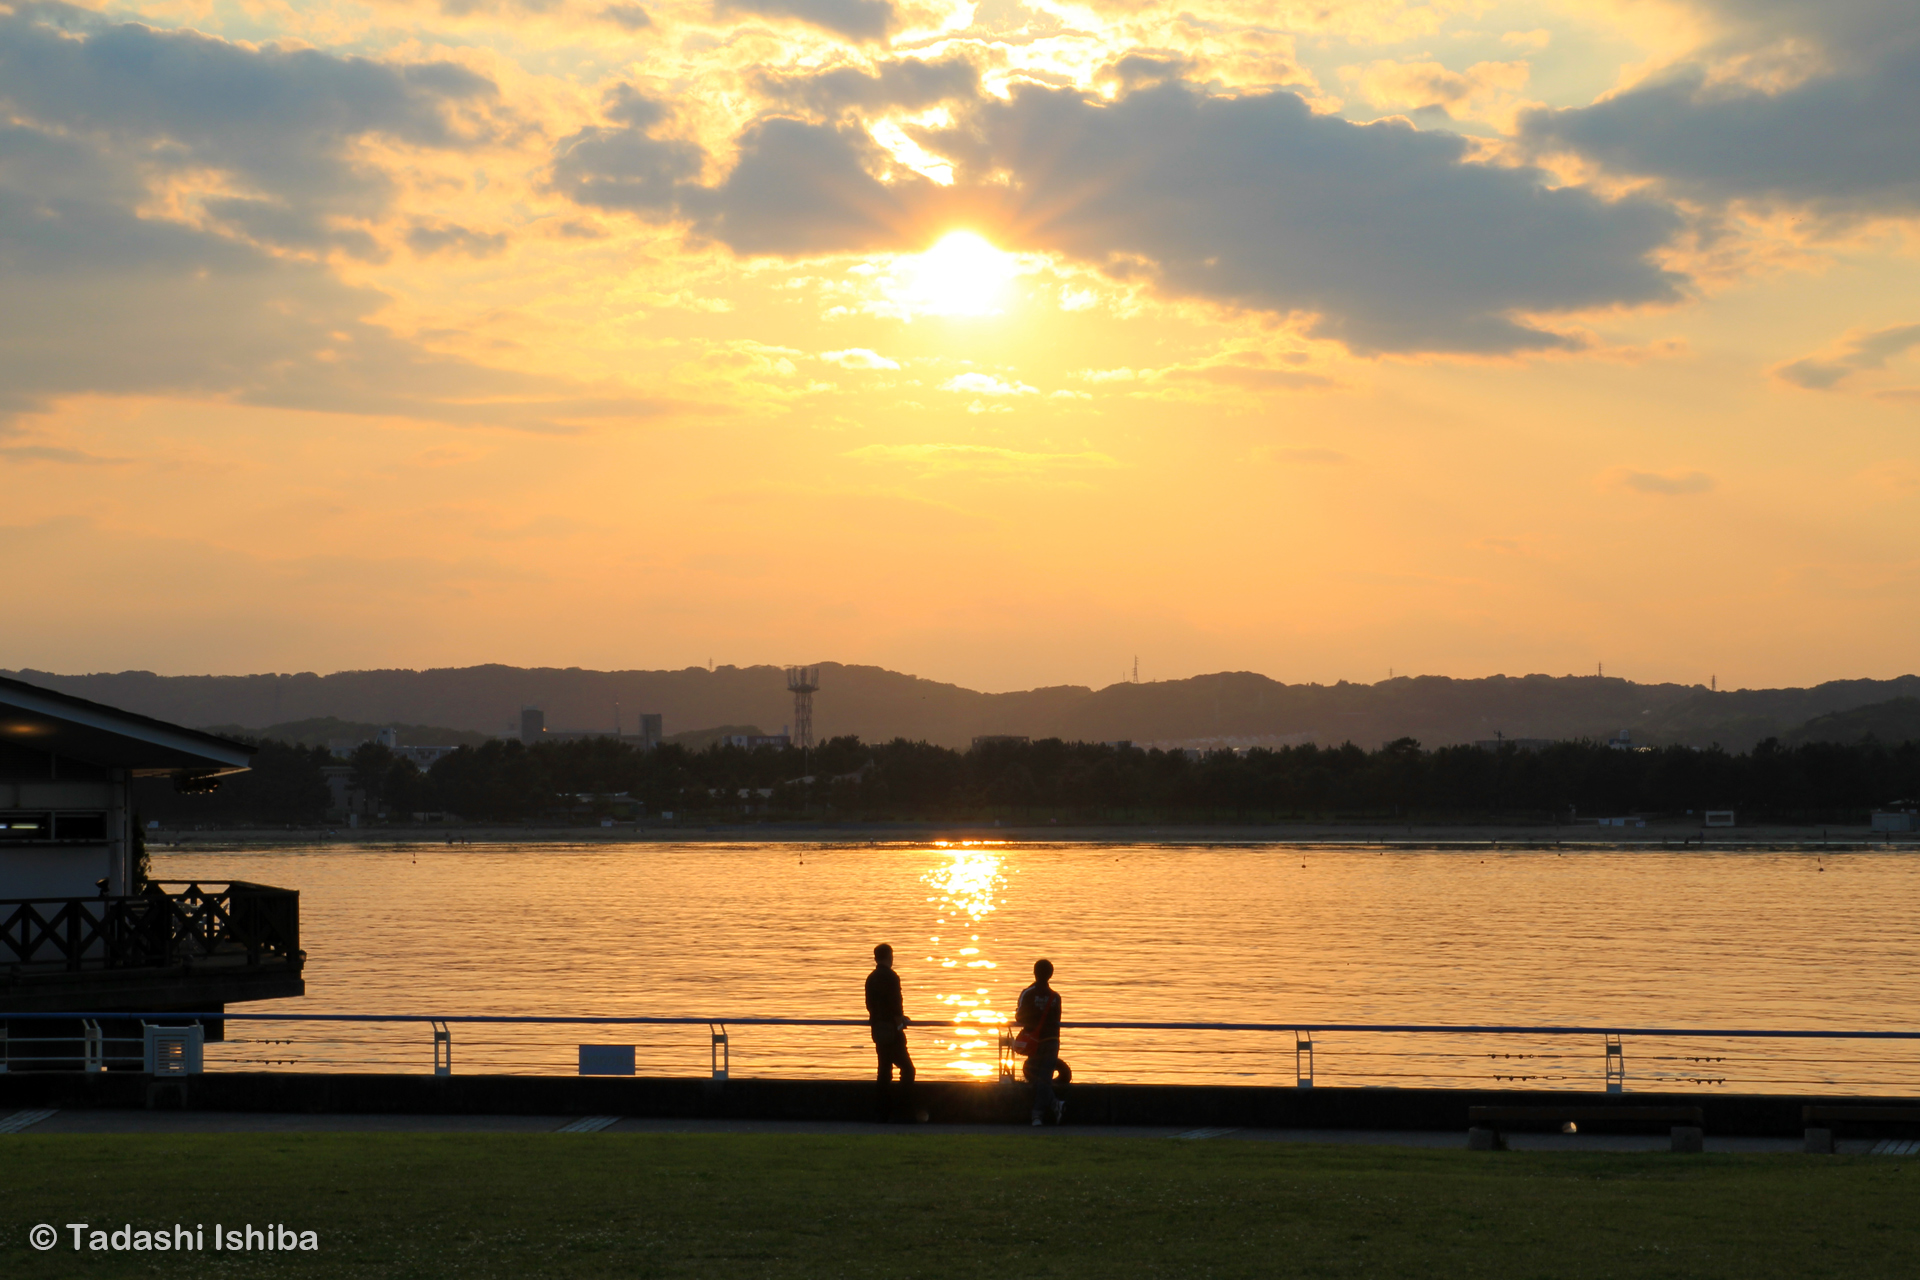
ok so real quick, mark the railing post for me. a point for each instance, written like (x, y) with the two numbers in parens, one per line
(720, 1053)
(1616, 1065)
(1303, 1059)
(96, 1049)
(442, 1049)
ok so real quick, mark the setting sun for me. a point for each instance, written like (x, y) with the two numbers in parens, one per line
(961, 275)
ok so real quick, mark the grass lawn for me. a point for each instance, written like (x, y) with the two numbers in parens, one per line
(752, 1205)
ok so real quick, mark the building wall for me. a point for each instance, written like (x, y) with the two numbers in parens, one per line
(63, 871)
(29, 869)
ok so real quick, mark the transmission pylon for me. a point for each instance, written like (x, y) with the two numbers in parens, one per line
(804, 682)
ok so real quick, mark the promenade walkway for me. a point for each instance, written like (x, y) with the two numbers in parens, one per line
(186, 1122)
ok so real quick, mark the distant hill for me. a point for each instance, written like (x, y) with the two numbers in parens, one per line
(320, 730)
(1228, 708)
(1892, 721)
(1737, 719)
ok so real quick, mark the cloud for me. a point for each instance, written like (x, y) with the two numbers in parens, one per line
(1390, 239)
(934, 460)
(858, 358)
(1815, 105)
(622, 165)
(109, 292)
(858, 20)
(1481, 88)
(983, 384)
(909, 84)
(427, 239)
(630, 16)
(802, 188)
(283, 123)
(1865, 352)
(1666, 484)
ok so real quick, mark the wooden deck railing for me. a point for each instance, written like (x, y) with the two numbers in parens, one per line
(170, 923)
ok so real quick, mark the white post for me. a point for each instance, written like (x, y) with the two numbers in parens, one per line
(119, 834)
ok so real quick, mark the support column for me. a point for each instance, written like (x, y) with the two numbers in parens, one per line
(119, 833)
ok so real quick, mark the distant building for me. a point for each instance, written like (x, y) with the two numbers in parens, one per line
(423, 757)
(343, 798)
(533, 728)
(1901, 815)
(749, 741)
(1518, 744)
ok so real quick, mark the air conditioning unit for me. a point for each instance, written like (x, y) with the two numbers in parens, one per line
(175, 1051)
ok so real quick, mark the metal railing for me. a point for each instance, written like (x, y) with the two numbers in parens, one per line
(1544, 1055)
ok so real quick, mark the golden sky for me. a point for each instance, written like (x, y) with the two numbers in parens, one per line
(997, 343)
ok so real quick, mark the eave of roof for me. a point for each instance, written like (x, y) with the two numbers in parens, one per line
(47, 720)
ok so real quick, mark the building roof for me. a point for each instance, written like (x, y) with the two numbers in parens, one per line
(75, 729)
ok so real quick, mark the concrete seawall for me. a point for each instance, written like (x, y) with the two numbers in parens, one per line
(945, 1102)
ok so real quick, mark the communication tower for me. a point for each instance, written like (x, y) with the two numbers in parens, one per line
(804, 682)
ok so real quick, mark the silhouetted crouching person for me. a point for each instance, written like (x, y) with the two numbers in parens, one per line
(887, 1020)
(1038, 1013)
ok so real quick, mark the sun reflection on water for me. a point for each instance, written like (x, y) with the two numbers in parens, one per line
(965, 885)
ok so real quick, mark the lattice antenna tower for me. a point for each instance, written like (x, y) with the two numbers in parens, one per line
(803, 682)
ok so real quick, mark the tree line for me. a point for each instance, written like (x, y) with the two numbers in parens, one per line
(846, 779)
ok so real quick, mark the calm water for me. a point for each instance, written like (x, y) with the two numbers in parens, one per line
(1232, 934)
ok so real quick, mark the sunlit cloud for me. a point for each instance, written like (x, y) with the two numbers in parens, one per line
(985, 384)
(858, 358)
(1862, 353)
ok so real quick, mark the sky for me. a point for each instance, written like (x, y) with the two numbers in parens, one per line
(999, 343)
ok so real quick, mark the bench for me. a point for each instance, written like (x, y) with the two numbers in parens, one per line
(1686, 1126)
(1820, 1122)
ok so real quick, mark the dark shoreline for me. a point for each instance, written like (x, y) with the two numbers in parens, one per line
(1330, 835)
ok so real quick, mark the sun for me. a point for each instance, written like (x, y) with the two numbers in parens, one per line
(961, 275)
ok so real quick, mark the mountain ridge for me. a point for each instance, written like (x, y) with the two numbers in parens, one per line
(1233, 708)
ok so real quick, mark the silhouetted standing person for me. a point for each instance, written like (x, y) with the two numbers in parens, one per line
(887, 1020)
(1038, 1012)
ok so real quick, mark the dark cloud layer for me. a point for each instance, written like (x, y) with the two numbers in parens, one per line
(1391, 237)
(105, 297)
(280, 118)
(1841, 138)
(805, 188)
(1839, 143)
